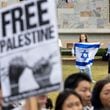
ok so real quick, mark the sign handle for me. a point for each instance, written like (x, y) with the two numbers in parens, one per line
(109, 63)
(31, 104)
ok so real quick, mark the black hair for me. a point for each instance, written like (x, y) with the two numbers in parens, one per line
(73, 80)
(96, 102)
(49, 104)
(63, 96)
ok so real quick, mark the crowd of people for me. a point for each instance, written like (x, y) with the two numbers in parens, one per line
(81, 92)
(77, 94)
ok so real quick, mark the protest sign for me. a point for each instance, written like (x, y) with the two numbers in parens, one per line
(29, 52)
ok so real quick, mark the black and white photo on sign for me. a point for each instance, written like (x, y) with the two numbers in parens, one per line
(29, 51)
(29, 71)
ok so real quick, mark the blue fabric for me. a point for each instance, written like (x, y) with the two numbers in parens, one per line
(85, 53)
(84, 63)
(87, 45)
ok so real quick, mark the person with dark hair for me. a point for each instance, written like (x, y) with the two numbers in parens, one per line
(80, 83)
(68, 100)
(83, 37)
(101, 95)
(85, 66)
(44, 102)
(49, 104)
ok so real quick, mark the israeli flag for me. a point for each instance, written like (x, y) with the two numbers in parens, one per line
(85, 53)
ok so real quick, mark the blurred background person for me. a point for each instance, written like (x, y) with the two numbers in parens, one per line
(85, 57)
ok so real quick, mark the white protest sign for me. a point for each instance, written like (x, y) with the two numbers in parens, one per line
(29, 52)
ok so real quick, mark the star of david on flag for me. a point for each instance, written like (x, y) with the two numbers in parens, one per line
(85, 53)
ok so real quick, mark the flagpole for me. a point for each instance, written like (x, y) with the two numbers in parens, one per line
(108, 52)
(108, 63)
(31, 103)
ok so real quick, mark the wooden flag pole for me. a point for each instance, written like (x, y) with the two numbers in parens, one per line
(108, 52)
(108, 63)
(33, 103)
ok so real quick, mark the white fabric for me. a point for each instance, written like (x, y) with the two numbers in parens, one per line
(85, 53)
(89, 108)
(60, 43)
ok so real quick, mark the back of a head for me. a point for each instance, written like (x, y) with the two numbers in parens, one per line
(73, 80)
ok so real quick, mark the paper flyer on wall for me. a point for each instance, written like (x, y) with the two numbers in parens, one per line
(29, 52)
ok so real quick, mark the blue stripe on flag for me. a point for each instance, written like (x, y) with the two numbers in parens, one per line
(84, 63)
(87, 45)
